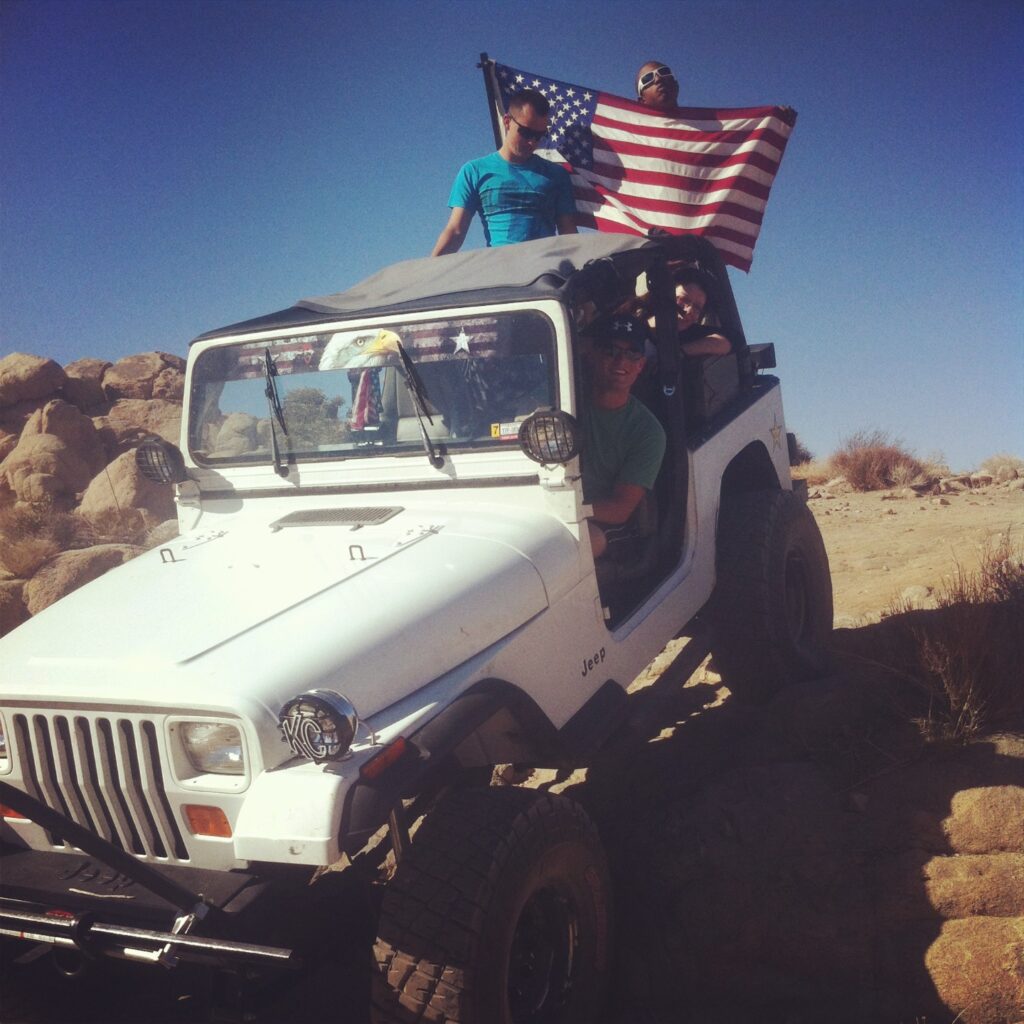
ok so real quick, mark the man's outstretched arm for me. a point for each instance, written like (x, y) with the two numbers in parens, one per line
(453, 234)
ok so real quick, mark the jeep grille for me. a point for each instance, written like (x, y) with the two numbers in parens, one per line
(102, 773)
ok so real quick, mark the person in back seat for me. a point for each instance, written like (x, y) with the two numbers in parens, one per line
(695, 337)
(623, 441)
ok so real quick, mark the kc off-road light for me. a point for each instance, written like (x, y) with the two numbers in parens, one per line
(213, 747)
(550, 437)
(160, 461)
(320, 725)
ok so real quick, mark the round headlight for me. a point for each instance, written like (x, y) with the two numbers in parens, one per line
(320, 725)
(550, 437)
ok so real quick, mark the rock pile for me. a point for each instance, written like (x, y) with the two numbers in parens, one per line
(72, 503)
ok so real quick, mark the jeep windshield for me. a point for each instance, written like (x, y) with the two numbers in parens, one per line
(350, 393)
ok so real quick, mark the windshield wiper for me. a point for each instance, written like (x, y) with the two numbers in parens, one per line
(276, 411)
(413, 386)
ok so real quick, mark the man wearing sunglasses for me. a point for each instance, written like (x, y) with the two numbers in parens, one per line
(519, 195)
(657, 87)
(624, 442)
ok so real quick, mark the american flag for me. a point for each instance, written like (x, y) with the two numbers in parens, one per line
(697, 171)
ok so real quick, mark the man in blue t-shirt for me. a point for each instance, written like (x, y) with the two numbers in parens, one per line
(519, 195)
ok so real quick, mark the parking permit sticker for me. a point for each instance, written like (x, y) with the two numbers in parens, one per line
(505, 431)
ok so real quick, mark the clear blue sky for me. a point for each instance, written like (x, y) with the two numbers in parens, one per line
(169, 166)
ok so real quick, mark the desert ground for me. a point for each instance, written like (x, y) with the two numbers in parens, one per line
(806, 861)
(882, 544)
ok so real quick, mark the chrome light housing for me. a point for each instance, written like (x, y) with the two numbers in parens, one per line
(213, 747)
(320, 725)
(5, 755)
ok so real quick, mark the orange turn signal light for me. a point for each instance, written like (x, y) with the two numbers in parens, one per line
(10, 812)
(207, 821)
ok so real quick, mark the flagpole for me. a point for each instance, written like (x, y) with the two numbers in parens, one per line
(487, 66)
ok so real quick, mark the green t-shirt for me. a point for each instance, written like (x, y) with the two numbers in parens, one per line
(621, 446)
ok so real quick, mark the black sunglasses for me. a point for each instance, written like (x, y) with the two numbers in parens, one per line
(530, 134)
(613, 351)
(650, 77)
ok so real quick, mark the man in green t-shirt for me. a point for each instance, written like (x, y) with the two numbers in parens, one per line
(624, 442)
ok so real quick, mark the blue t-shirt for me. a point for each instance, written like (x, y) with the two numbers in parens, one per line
(516, 202)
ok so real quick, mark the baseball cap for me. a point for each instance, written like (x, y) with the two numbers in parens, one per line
(620, 328)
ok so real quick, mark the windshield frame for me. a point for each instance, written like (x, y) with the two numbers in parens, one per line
(550, 316)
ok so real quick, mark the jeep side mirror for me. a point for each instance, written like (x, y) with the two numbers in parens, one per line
(550, 437)
(160, 461)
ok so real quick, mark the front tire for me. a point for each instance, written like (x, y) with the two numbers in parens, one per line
(772, 608)
(498, 914)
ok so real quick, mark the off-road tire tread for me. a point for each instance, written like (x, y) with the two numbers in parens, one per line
(754, 659)
(442, 887)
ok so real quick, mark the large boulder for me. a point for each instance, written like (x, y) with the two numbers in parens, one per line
(136, 376)
(42, 468)
(71, 570)
(14, 417)
(8, 442)
(84, 384)
(76, 430)
(169, 384)
(12, 605)
(121, 502)
(24, 378)
(131, 420)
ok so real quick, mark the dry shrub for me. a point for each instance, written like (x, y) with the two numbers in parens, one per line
(815, 472)
(968, 653)
(873, 461)
(30, 534)
(1003, 466)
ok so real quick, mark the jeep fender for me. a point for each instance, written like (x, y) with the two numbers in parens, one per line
(493, 722)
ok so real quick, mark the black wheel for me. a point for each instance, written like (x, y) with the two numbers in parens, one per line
(498, 914)
(772, 608)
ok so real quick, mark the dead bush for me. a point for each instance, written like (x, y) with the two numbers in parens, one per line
(967, 654)
(815, 472)
(31, 534)
(1003, 467)
(873, 461)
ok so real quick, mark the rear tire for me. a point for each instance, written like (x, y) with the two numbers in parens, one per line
(772, 608)
(498, 914)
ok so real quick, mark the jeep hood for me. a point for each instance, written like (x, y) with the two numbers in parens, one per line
(220, 617)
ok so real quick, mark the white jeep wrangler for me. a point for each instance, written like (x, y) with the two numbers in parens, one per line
(383, 587)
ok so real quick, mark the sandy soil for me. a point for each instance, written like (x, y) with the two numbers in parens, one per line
(883, 542)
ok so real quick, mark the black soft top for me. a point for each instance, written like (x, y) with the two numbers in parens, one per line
(545, 268)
